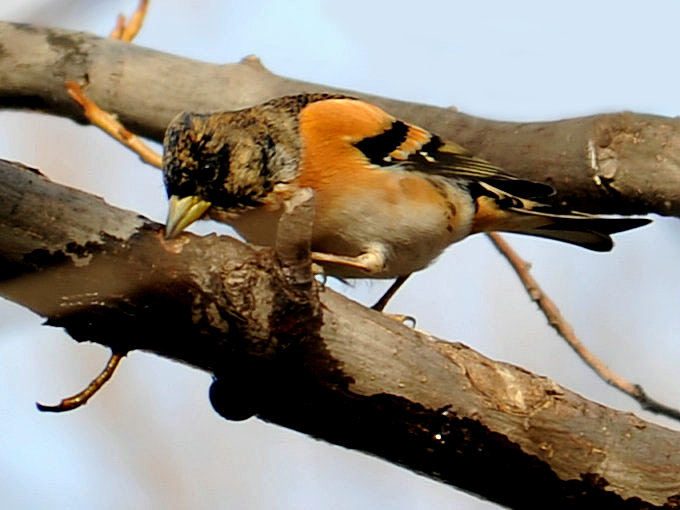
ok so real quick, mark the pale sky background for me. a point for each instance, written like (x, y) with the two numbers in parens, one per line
(151, 440)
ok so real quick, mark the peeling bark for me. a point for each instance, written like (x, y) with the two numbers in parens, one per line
(624, 163)
(309, 359)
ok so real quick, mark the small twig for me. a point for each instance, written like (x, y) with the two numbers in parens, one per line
(108, 122)
(104, 120)
(127, 31)
(118, 29)
(564, 329)
(81, 398)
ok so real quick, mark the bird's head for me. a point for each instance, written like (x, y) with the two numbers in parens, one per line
(223, 161)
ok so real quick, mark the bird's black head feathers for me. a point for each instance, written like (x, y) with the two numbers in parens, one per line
(204, 157)
(233, 159)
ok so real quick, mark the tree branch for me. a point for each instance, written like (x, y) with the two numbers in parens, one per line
(330, 368)
(564, 329)
(596, 163)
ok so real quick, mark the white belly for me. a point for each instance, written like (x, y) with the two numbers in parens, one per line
(412, 233)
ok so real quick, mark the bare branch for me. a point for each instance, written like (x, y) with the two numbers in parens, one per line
(81, 398)
(110, 125)
(127, 30)
(564, 329)
(622, 163)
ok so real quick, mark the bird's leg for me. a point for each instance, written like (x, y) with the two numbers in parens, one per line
(81, 398)
(372, 261)
(382, 302)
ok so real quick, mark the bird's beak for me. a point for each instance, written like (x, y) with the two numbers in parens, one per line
(183, 212)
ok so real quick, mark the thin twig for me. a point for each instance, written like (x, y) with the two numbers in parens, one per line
(108, 122)
(104, 120)
(123, 31)
(81, 398)
(118, 29)
(564, 329)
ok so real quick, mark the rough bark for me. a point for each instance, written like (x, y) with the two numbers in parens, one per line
(623, 163)
(309, 359)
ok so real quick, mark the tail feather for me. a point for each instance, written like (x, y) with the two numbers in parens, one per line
(498, 209)
(585, 230)
(595, 241)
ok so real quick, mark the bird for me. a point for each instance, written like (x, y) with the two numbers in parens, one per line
(389, 196)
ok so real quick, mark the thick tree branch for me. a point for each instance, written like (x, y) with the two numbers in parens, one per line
(622, 163)
(337, 371)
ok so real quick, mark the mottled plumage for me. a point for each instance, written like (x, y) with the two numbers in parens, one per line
(390, 196)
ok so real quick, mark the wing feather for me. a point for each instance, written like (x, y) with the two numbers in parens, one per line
(407, 146)
(450, 160)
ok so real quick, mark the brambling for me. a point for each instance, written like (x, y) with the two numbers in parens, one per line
(389, 196)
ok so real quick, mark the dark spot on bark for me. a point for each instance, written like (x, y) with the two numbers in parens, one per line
(23, 102)
(436, 442)
(673, 501)
(42, 258)
(21, 165)
(595, 480)
(25, 27)
(71, 47)
(78, 249)
(65, 41)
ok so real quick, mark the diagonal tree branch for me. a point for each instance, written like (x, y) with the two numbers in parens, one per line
(564, 329)
(337, 371)
(621, 163)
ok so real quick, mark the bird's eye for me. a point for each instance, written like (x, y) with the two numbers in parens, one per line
(207, 172)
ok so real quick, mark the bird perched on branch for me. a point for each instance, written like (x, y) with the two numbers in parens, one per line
(390, 196)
